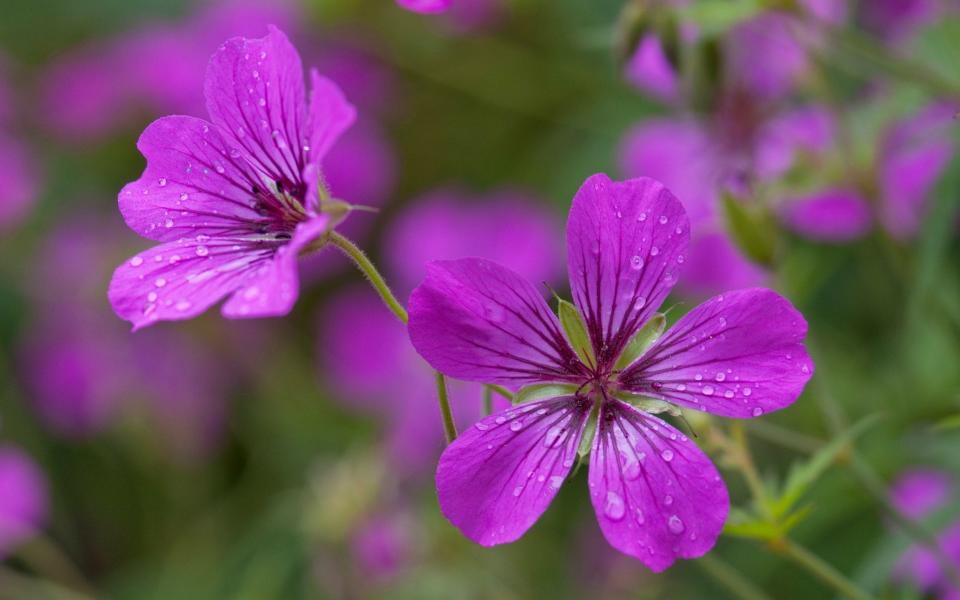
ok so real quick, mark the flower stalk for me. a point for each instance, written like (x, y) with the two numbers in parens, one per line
(366, 266)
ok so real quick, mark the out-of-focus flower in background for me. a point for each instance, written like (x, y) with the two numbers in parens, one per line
(23, 498)
(92, 91)
(365, 351)
(19, 172)
(426, 6)
(918, 494)
(71, 357)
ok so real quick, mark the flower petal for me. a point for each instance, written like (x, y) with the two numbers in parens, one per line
(739, 354)
(426, 6)
(193, 184)
(625, 243)
(497, 478)
(179, 280)
(273, 290)
(834, 215)
(330, 115)
(255, 93)
(657, 495)
(476, 320)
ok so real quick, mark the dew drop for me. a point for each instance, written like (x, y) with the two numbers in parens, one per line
(614, 508)
(757, 411)
(747, 391)
(675, 525)
(654, 251)
(168, 223)
(708, 390)
(152, 297)
(202, 251)
(482, 426)
(698, 377)
(516, 425)
(552, 437)
(642, 217)
(636, 263)
(556, 481)
(162, 181)
(182, 305)
(721, 376)
(160, 282)
(501, 420)
(728, 394)
(663, 219)
(631, 470)
(667, 500)
(136, 261)
(667, 455)
(262, 102)
(518, 490)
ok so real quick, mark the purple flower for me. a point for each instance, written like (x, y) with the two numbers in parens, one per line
(23, 498)
(426, 6)
(365, 350)
(233, 201)
(381, 547)
(70, 358)
(656, 495)
(20, 182)
(651, 71)
(918, 494)
(913, 156)
(833, 215)
(897, 20)
(92, 90)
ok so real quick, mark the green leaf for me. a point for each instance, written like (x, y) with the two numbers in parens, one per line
(754, 233)
(576, 331)
(951, 422)
(714, 17)
(741, 523)
(803, 475)
(643, 339)
(542, 391)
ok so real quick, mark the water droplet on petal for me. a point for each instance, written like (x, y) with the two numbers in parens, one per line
(552, 437)
(675, 525)
(721, 376)
(636, 262)
(516, 425)
(614, 508)
(747, 391)
(182, 305)
(518, 490)
(708, 390)
(556, 481)
(160, 282)
(757, 411)
(654, 251)
(482, 426)
(136, 261)
(162, 181)
(667, 500)
(663, 219)
(202, 251)
(501, 420)
(667, 455)
(152, 297)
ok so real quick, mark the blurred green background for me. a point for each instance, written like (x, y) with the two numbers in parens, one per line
(536, 100)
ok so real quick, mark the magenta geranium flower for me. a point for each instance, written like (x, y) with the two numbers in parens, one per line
(235, 200)
(656, 495)
(23, 498)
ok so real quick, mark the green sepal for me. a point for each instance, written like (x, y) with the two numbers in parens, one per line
(754, 232)
(337, 210)
(576, 331)
(649, 405)
(589, 431)
(642, 340)
(543, 391)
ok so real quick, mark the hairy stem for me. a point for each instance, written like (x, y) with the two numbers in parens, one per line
(821, 569)
(370, 271)
(379, 284)
(727, 576)
(449, 428)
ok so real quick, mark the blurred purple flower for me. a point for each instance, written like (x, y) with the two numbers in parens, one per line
(651, 71)
(365, 351)
(505, 226)
(918, 494)
(426, 6)
(233, 201)
(913, 156)
(70, 358)
(897, 20)
(23, 498)
(381, 547)
(20, 182)
(92, 90)
(833, 215)
(656, 495)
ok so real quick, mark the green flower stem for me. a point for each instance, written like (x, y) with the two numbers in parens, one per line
(370, 271)
(449, 428)
(500, 391)
(812, 563)
(820, 568)
(487, 401)
(727, 576)
(380, 285)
